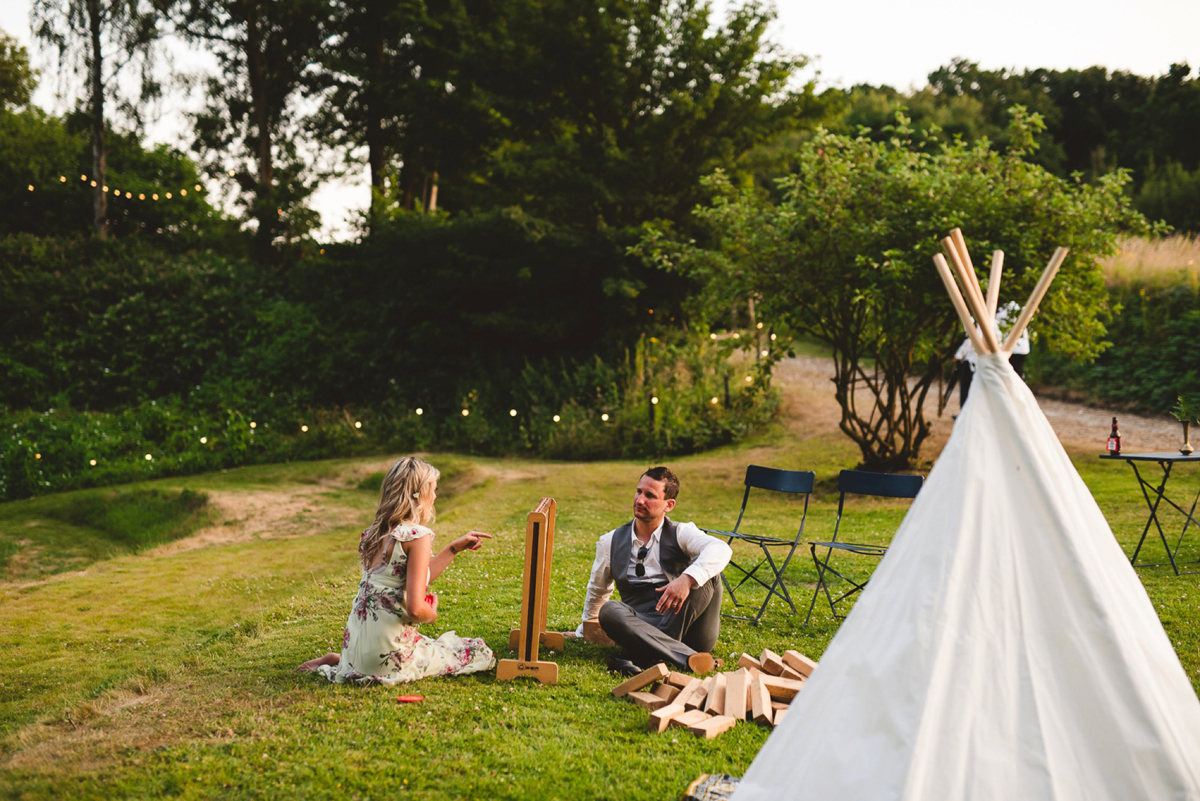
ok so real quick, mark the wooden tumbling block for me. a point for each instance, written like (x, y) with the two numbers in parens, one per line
(715, 702)
(760, 701)
(778, 705)
(545, 672)
(799, 663)
(782, 689)
(712, 727)
(736, 687)
(678, 679)
(594, 634)
(750, 663)
(667, 692)
(643, 679)
(661, 717)
(778, 717)
(788, 673)
(771, 662)
(688, 718)
(647, 700)
(697, 699)
(688, 691)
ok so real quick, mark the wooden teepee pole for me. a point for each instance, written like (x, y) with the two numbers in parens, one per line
(973, 296)
(993, 293)
(957, 299)
(1035, 298)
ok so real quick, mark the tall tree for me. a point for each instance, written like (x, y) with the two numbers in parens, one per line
(397, 80)
(17, 79)
(99, 39)
(263, 48)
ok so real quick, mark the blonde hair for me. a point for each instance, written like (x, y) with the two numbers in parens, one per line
(405, 497)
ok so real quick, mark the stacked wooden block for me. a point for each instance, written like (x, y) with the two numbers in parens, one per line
(760, 690)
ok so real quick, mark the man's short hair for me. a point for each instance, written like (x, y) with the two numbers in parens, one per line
(669, 480)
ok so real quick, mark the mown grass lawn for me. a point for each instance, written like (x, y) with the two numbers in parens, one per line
(149, 672)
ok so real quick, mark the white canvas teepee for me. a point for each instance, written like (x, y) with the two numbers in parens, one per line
(1004, 647)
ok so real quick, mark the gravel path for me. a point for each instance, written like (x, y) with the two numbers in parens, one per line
(807, 382)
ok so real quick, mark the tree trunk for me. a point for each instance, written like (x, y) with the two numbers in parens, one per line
(433, 187)
(99, 167)
(266, 210)
(372, 107)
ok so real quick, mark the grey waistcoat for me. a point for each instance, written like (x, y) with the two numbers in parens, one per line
(672, 558)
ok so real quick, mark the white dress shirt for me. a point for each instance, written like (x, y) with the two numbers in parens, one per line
(1006, 316)
(709, 557)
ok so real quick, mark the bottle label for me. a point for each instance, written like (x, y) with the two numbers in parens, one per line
(1114, 444)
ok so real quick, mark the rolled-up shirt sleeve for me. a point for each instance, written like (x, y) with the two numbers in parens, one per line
(600, 583)
(709, 555)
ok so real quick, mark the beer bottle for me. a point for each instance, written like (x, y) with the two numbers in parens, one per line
(1114, 439)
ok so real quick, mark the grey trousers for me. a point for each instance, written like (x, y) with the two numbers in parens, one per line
(647, 637)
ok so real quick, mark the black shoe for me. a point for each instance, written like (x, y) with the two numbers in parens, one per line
(619, 664)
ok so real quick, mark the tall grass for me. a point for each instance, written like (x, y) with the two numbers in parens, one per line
(1157, 263)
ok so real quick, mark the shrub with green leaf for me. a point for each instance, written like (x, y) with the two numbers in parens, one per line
(842, 252)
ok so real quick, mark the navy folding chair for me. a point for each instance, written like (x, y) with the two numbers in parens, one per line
(855, 482)
(767, 572)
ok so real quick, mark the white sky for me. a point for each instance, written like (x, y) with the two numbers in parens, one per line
(856, 41)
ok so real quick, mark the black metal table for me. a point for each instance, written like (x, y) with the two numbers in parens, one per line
(1166, 461)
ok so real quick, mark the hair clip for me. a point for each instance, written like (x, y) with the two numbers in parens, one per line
(417, 495)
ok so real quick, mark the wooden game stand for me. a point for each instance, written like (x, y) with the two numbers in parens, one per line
(539, 545)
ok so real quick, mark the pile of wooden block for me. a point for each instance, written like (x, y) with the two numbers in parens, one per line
(760, 690)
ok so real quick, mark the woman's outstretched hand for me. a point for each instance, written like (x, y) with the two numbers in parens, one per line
(471, 541)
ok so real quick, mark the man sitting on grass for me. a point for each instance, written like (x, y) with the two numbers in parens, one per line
(669, 575)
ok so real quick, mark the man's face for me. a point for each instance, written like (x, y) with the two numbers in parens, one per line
(648, 501)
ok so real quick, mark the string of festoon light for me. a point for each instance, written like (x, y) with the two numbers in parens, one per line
(127, 194)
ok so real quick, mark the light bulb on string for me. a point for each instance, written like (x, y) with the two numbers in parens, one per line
(62, 179)
(358, 424)
(183, 193)
(93, 184)
(420, 411)
(92, 462)
(204, 440)
(557, 418)
(304, 429)
(466, 412)
(604, 417)
(512, 412)
(31, 187)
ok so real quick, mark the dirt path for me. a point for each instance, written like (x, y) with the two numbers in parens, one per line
(292, 511)
(809, 403)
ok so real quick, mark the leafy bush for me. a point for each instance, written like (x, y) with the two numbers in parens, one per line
(59, 449)
(1155, 352)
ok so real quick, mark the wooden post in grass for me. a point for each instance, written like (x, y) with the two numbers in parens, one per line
(539, 545)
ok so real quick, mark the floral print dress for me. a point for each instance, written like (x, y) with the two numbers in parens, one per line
(381, 643)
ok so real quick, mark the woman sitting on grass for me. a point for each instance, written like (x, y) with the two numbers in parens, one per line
(381, 643)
